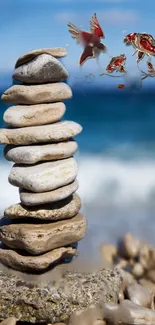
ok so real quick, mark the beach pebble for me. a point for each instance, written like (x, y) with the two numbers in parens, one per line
(43, 68)
(32, 199)
(147, 256)
(108, 252)
(139, 295)
(57, 52)
(37, 94)
(45, 176)
(56, 132)
(129, 247)
(148, 285)
(32, 115)
(128, 313)
(34, 263)
(37, 238)
(151, 275)
(63, 209)
(127, 277)
(138, 270)
(88, 316)
(121, 263)
(9, 321)
(45, 152)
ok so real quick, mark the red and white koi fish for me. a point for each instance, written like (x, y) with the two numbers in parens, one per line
(117, 63)
(143, 43)
(90, 41)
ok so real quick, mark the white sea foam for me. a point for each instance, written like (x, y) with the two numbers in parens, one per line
(117, 197)
(109, 181)
(103, 181)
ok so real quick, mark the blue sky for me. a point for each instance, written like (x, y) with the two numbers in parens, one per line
(30, 24)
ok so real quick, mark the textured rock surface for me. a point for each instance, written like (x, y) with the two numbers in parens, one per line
(57, 52)
(33, 154)
(34, 263)
(56, 132)
(43, 68)
(31, 115)
(55, 301)
(44, 176)
(32, 199)
(43, 237)
(37, 94)
(63, 209)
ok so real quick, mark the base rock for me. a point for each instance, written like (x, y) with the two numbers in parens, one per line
(55, 301)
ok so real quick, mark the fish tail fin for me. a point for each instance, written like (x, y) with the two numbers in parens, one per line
(87, 54)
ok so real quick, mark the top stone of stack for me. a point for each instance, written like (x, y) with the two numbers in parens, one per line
(41, 66)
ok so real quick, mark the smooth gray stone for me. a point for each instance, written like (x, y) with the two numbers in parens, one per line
(37, 94)
(32, 199)
(57, 52)
(45, 176)
(45, 152)
(50, 133)
(43, 68)
(56, 300)
(32, 115)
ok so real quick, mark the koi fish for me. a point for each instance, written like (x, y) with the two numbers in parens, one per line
(121, 86)
(117, 63)
(143, 43)
(90, 41)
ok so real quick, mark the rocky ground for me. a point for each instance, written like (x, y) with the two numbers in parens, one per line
(133, 303)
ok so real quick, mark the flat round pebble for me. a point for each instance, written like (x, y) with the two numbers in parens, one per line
(45, 152)
(37, 94)
(45, 176)
(43, 237)
(34, 263)
(57, 52)
(57, 132)
(32, 115)
(32, 199)
(43, 68)
(63, 209)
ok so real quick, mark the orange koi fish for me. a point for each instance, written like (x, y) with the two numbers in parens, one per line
(90, 41)
(121, 86)
(117, 63)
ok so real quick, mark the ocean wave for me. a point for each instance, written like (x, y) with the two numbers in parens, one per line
(102, 182)
(105, 181)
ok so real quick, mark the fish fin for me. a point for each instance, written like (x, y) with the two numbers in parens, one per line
(140, 56)
(95, 27)
(87, 54)
(74, 31)
(102, 47)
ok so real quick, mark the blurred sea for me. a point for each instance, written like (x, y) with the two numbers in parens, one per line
(116, 160)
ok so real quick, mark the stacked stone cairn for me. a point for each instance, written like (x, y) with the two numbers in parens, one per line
(42, 230)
